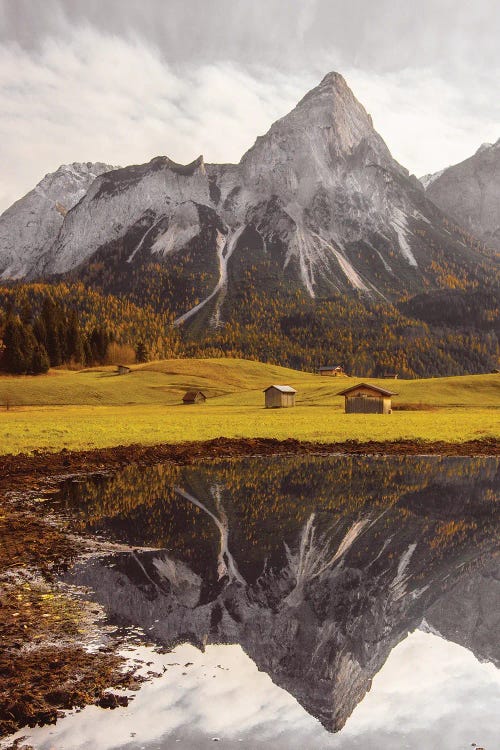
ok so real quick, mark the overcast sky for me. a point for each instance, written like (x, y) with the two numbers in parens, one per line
(122, 81)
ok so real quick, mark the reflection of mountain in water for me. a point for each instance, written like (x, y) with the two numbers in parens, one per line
(318, 567)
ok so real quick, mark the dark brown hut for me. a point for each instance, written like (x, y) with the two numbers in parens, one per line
(194, 397)
(367, 399)
(333, 371)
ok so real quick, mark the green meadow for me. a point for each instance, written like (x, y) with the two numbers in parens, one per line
(98, 408)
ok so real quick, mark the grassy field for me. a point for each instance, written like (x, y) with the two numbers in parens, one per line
(97, 408)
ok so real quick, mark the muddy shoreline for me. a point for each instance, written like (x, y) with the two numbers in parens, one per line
(25, 471)
(44, 666)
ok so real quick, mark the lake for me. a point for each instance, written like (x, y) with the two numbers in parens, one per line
(305, 601)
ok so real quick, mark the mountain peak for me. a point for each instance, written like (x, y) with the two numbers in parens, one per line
(336, 81)
(328, 120)
(332, 85)
(332, 104)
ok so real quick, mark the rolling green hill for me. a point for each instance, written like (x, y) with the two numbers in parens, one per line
(98, 408)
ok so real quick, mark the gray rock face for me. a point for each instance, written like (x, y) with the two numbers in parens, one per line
(469, 192)
(33, 222)
(119, 199)
(319, 180)
(470, 613)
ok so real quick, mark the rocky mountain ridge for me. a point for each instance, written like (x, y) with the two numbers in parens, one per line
(469, 192)
(317, 203)
(32, 223)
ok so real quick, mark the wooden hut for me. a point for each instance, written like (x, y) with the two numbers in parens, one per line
(122, 369)
(194, 397)
(333, 371)
(279, 396)
(367, 399)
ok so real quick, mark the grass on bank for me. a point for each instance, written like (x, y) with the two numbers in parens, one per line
(97, 408)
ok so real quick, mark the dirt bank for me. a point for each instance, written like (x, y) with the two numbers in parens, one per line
(27, 470)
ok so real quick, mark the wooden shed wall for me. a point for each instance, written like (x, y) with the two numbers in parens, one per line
(364, 404)
(276, 399)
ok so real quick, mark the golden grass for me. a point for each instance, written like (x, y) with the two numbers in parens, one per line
(88, 409)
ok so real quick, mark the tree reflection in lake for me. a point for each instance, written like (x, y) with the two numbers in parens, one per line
(317, 566)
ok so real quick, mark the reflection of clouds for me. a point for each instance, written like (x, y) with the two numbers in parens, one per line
(430, 689)
(433, 689)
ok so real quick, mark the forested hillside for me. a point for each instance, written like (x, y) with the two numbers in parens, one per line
(69, 324)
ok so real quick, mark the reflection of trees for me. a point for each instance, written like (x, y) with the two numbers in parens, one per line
(266, 501)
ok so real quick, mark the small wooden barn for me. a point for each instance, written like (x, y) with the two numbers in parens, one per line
(122, 369)
(194, 397)
(367, 399)
(333, 371)
(279, 396)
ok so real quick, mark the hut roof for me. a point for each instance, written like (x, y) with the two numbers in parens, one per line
(191, 396)
(330, 367)
(375, 388)
(282, 388)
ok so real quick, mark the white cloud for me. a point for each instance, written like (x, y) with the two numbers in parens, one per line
(427, 122)
(94, 97)
(90, 96)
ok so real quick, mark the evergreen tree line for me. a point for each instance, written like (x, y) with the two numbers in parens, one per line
(52, 325)
(30, 343)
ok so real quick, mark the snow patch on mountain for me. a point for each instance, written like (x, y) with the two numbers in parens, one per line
(302, 247)
(224, 256)
(398, 584)
(226, 245)
(428, 179)
(183, 227)
(400, 225)
(348, 269)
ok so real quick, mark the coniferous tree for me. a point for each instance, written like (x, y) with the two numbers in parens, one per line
(40, 362)
(99, 342)
(74, 341)
(141, 353)
(19, 344)
(40, 332)
(51, 320)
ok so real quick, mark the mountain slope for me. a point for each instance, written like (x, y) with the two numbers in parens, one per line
(318, 203)
(33, 222)
(470, 193)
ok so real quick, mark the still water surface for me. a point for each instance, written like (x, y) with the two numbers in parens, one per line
(322, 602)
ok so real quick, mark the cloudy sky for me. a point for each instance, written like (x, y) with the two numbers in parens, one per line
(122, 81)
